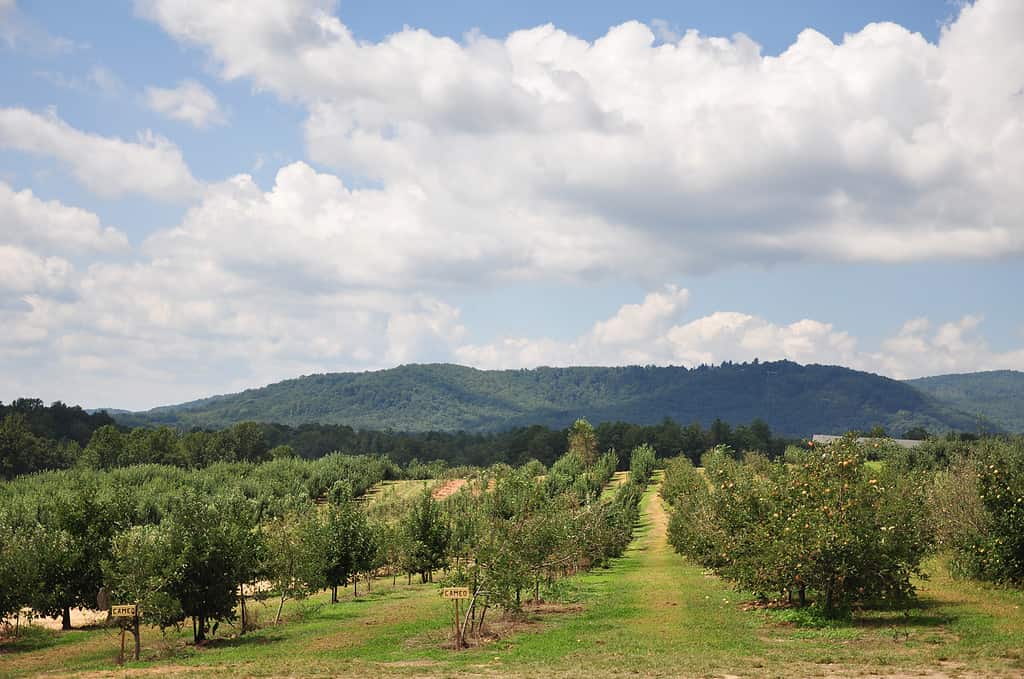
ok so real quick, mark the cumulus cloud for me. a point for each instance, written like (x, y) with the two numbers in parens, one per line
(189, 102)
(884, 147)
(315, 231)
(251, 287)
(493, 161)
(924, 348)
(53, 226)
(108, 166)
(22, 270)
(656, 331)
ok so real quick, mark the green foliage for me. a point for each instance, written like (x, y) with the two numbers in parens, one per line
(583, 441)
(979, 502)
(23, 452)
(110, 447)
(142, 569)
(427, 536)
(18, 552)
(821, 522)
(56, 421)
(292, 554)
(793, 399)
(211, 548)
(511, 534)
(641, 464)
(994, 398)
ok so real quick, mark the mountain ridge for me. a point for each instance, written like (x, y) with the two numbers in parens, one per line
(995, 395)
(794, 399)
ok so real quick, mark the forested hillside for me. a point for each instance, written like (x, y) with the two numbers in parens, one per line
(792, 399)
(996, 395)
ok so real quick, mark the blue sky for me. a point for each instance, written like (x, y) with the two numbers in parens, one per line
(200, 197)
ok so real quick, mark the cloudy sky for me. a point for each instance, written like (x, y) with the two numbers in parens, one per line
(198, 197)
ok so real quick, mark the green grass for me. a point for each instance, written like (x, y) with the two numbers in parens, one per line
(389, 492)
(617, 479)
(649, 614)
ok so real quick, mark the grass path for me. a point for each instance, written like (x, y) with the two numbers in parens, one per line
(649, 614)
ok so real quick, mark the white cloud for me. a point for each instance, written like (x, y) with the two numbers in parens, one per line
(108, 166)
(490, 162)
(320, 234)
(952, 347)
(189, 102)
(705, 152)
(24, 271)
(914, 351)
(98, 79)
(20, 32)
(251, 287)
(53, 226)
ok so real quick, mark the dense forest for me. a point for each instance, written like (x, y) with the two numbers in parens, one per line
(34, 437)
(995, 395)
(793, 399)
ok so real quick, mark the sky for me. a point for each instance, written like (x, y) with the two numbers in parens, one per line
(199, 197)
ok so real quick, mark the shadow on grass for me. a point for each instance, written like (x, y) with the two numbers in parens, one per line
(29, 639)
(921, 613)
(259, 638)
(32, 638)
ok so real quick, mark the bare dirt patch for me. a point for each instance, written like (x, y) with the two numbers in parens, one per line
(80, 617)
(160, 671)
(447, 488)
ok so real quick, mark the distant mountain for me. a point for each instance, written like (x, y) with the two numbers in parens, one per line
(795, 400)
(997, 395)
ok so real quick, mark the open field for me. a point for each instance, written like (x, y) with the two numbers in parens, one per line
(650, 614)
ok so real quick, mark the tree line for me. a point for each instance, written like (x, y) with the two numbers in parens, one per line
(34, 437)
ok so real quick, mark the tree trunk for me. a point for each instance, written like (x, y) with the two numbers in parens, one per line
(480, 623)
(136, 632)
(355, 586)
(369, 582)
(280, 607)
(334, 594)
(241, 607)
(803, 595)
(199, 628)
(65, 620)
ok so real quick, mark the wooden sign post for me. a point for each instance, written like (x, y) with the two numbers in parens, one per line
(456, 594)
(129, 612)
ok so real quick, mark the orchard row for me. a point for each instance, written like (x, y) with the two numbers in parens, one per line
(825, 524)
(196, 544)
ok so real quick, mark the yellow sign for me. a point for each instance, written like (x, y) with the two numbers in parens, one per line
(123, 611)
(455, 592)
